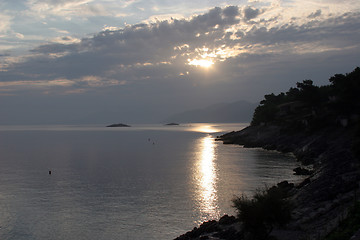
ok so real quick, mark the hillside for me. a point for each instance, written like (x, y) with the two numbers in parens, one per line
(320, 125)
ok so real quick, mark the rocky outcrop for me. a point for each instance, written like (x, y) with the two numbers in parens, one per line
(302, 171)
(227, 228)
(323, 198)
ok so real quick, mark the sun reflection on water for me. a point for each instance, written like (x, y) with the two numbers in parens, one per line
(206, 179)
(204, 128)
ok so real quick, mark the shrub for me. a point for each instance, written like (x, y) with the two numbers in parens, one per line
(267, 209)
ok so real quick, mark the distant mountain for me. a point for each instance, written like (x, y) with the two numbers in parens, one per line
(240, 111)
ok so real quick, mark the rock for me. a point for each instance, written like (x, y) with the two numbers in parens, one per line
(229, 234)
(227, 228)
(209, 226)
(302, 171)
(227, 220)
(286, 187)
(303, 183)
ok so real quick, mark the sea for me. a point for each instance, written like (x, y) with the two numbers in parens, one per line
(148, 181)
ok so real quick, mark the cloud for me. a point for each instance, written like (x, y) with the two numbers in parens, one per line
(163, 17)
(4, 55)
(65, 8)
(66, 40)
(156, 40)
(250, 13)
(160, 52)
(36, 84)
(5, 23)
(128, 3)
(315, 14)
(337, 31)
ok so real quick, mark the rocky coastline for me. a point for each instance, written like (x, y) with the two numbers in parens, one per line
(321, 201)
(321, 127)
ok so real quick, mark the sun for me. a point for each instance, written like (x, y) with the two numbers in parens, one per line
(205, 63)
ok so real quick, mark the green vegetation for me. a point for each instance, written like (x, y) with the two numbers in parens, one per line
(347, 227)
(268, 208)
(309, 107)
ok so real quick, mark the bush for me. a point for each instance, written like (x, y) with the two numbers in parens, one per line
(267, 209)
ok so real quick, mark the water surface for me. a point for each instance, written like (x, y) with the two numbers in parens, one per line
(143, 182)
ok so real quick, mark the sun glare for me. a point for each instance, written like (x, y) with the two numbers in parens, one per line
(205, 174)
(205, 63)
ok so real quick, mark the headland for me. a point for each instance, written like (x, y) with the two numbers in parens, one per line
(321, 127)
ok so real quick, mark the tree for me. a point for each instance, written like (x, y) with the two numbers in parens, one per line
(308, 93)
(264, 113)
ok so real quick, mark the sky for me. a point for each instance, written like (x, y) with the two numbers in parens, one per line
(87, 61)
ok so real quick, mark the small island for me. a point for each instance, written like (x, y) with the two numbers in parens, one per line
(172, 124)
(118, 125)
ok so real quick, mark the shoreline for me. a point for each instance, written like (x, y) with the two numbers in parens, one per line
(322, 199)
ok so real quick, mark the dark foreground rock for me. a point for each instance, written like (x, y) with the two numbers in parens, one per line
(227, 228)
(302, 171)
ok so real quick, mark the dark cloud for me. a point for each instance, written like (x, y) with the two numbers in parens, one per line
(55, 48)
(231, 11)
(4, 54)
(315, 14)
(334, 32)
(66, 38)
(250, 13)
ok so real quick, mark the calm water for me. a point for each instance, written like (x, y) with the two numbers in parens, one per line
(144, 182)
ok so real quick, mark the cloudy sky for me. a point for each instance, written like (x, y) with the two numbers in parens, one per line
(142, 60)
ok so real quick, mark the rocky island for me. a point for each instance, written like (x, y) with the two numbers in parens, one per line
(172, 124)
(118, 125)
(321, 127)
